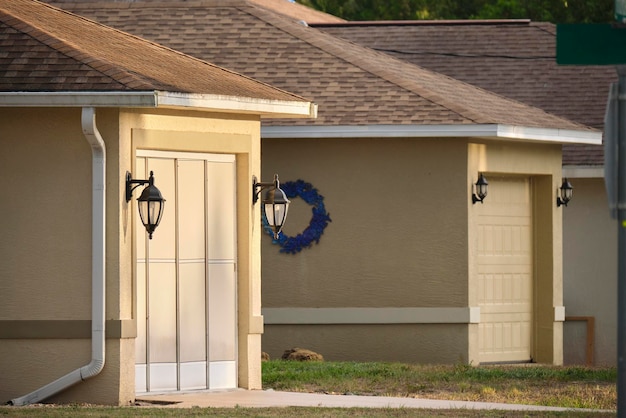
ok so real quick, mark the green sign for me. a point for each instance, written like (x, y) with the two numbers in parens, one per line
(620, 11)
(591, 44)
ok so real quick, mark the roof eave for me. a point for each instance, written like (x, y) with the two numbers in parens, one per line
(77, 99)
(483, 131)
(159, 99)
(264, 107)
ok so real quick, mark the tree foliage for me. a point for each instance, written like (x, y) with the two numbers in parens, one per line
(556, 11)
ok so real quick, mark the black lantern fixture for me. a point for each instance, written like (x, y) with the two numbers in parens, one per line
(481, 189)
(150, 203)
(566, 191)
(275, 203)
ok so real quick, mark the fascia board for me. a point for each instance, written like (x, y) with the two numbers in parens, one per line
(77, 99)
(160, 99)
(563, 136)
(377, 131)
(485, 131)
(583, 171)
(266, 108)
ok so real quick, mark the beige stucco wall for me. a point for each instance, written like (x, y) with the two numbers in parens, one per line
(398, 238)
(398, 253)
(385, 200)
(45, 164)
(590, 272)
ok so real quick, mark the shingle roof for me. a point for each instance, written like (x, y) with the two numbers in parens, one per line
(351, 84)
(298, 11)
(516, 59)
(43, 48)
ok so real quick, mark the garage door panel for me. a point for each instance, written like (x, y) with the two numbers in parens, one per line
(504, 271)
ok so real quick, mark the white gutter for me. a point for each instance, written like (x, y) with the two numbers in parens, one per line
(98, 291)
(518, 133)
(162, 99)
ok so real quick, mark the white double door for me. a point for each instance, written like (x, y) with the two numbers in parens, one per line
(186, 275)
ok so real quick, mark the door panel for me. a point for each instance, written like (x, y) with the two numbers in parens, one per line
(192, 312)
(221, 212)
(191, 207)
(162, 320)
(222, 320)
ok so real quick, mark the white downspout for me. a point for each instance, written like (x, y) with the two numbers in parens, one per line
(98, 291)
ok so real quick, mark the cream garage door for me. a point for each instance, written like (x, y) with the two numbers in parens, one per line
(186, 278)
(505, 266)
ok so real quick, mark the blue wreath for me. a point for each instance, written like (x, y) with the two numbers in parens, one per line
(314, 231)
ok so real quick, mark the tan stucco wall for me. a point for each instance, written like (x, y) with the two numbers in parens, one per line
(45, 164)
(385, 200)
(401, 236)
(590, 272)
(398, 238)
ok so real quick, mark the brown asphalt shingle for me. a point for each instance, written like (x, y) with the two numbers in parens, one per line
(43, 48)
(298, 11)
(352, 85)
(516, 59)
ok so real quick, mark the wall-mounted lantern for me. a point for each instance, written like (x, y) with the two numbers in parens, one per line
(565, 193)
(481, 189)
(275, 203)
(150, 203)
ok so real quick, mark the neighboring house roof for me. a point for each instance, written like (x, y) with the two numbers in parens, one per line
(514, 58)
(298, 11)
(353, 85)
(48, 50)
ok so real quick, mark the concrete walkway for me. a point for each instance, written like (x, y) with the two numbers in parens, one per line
(271, 398)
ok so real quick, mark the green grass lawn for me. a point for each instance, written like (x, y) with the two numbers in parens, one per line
(573, 387)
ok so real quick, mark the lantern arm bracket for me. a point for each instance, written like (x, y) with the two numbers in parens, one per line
(564, 193)
(480, 189)
(132, 184)
(258, 187)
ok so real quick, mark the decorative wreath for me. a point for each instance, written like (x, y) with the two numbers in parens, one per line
(314, 231)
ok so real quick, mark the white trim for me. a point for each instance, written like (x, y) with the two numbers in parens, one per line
(269, 108)
(186, 156)
(327, 316)
(559, 313)
(474, 315)
(583, 171)
(161, 99)
(430, 131)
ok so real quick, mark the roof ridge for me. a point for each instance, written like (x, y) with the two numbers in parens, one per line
(131, 4)
(450, 22)
(330, 44)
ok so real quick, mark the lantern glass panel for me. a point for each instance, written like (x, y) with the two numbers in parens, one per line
(276, 213)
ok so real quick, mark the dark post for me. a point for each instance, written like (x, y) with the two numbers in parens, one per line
(621, 244)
